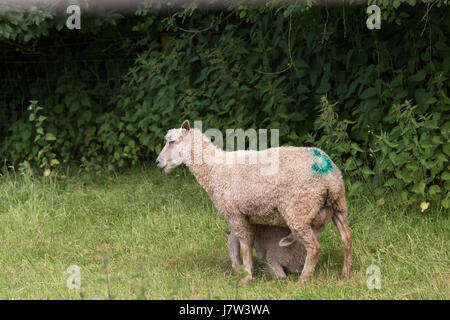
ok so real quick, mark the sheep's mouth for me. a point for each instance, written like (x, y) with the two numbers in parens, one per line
(167, 169)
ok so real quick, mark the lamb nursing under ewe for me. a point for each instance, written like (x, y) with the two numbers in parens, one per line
(275, 246)
(304, 193)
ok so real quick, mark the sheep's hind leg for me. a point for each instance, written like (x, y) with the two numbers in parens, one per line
(299, 221)
(340, 221)
(307, 236)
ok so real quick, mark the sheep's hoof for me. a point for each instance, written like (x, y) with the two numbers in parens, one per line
(238, 269)
(302, 281)
(245, 281)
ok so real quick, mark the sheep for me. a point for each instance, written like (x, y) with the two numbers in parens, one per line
(305, 182)
(276, 246)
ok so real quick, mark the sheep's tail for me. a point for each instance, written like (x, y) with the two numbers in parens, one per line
(339, 203)
(335, 197)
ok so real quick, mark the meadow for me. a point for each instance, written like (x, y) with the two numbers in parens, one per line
(145, 235)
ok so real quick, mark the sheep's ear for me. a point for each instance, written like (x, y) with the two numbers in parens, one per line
(186, 125)
(286, 241)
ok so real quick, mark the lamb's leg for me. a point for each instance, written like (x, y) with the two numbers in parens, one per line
(276, 268)
(235, 252)
(340, 221)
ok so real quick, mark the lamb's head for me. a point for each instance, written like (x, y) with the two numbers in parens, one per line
(287, 241)
(177, 148)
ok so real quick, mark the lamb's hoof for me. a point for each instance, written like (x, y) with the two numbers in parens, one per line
(245, 281)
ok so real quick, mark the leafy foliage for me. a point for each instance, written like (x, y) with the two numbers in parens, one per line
(410, 160)
(267, 67)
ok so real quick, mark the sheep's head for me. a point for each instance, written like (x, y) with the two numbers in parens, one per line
(177, 148)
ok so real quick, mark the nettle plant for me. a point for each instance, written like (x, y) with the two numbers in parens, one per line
(412, 158)
(334, 138)
(42, 149)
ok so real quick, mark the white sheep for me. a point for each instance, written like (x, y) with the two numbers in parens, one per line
(306, 181)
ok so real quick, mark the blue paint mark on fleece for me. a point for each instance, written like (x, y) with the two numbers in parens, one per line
(324, 165)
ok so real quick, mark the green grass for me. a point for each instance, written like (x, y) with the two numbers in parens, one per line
(163, 239)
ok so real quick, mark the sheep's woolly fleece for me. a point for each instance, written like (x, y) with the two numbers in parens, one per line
(306, 178)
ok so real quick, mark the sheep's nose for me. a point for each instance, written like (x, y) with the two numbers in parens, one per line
(157, 162)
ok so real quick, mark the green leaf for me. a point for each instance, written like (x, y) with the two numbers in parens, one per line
(446, 149)
(419, 76)
(390, 182)
(366, 171)
(437, 140)
(424, 99)
(356, 147)
(434, 189)
(300, 63)
(445, 175)
(368, 93)
(446, 203)
(50, 137)
(419, 188)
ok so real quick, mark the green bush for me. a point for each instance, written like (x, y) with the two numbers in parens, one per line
(269, 67)
(410, 160)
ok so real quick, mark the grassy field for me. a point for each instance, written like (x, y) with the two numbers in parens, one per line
(146, 235)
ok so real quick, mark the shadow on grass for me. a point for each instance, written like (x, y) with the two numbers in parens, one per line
(214, 262)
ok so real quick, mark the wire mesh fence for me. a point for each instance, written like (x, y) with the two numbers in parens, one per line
(31, 74)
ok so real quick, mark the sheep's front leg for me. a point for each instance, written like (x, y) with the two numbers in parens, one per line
(246, 250)
(235, 252)
(246, 234)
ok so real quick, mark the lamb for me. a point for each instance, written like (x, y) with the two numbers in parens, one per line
(275, 246)
(306, 181)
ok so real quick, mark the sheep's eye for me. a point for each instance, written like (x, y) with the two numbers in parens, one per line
(171, 141)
